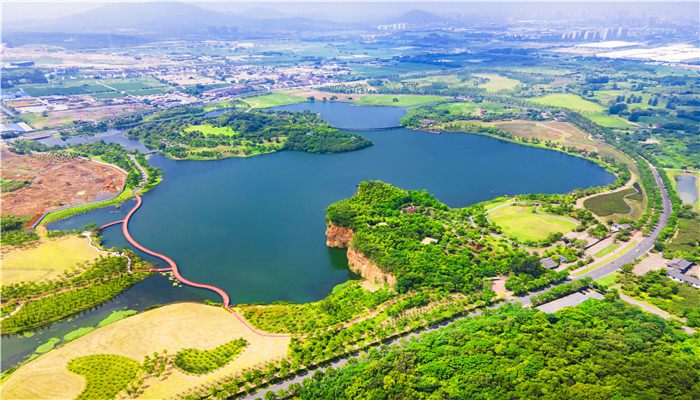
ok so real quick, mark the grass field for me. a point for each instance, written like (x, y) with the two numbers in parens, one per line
(608, 250)
(608, 96)
(610, 203)
(498, 82)
(469, 109)
(210, 130)
(273, 100)
(522, 223)
(398, 100)
(569, 101)
(64, 89)
(173, 328)
(609, 280)
(47, 260)
(608, 121)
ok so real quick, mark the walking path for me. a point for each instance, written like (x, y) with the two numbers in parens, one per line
(13, 312)
(172, 264)
(652, 309)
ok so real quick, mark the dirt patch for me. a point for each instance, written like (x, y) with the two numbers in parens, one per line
(172, 328)
(56, 182)
(338, 236)
(93, 114)
(499, 287)
(529, 130)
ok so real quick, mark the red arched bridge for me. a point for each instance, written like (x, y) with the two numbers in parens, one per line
(172, 267)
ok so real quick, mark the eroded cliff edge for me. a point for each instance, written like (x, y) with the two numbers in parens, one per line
(341, 237)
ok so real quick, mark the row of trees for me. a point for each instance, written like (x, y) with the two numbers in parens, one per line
(46, 310)
(626, 354)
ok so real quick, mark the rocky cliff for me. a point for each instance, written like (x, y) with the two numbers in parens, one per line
(338, 236)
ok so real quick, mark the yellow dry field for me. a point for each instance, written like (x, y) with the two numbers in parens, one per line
(562, 133)
(173, 327)
(565, 134)
(46, 260)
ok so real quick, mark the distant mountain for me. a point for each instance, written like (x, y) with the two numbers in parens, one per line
(419, 17)
(168, 18)
(144, 17)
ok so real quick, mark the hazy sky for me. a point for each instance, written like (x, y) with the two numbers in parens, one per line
(15, 10)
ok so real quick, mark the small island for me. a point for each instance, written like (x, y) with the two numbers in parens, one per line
(189, 134)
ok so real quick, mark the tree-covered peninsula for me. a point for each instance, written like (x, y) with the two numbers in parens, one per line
(191, 134)
(422, 243)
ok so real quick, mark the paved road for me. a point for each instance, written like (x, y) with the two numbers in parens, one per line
(639, 250)
(645, 245)
(571, 300)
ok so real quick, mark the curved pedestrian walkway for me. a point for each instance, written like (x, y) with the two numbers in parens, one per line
(174, 268)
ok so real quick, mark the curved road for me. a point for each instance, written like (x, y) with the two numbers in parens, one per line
(636, 252)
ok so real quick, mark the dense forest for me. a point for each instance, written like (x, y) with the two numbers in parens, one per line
(238, 133)
(423, 243)
(599, 350)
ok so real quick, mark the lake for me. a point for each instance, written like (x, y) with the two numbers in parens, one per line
(687, 188)
(255, 226)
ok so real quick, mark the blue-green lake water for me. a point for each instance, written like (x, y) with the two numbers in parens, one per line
(256, 228)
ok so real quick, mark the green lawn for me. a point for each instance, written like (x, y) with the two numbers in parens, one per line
(468, 109)
(569, 101)
(607, 250)
(398, 100)
(522, 223)
(608, 121)
(608, 280)
(210, 130)
(273, 100)
(498, 82)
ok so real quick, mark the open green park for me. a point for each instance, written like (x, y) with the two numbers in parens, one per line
(526, 224)
(272, 100)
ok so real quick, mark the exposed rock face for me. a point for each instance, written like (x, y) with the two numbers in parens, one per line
(360, 265)
(338, 236)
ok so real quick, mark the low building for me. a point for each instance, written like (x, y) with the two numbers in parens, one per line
(620, 227)
(549, 263)
(680, 264)
(676, 275)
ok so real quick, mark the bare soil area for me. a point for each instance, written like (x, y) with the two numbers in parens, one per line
(56, 182)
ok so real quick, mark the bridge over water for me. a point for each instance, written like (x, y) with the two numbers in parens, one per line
(384, 128)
